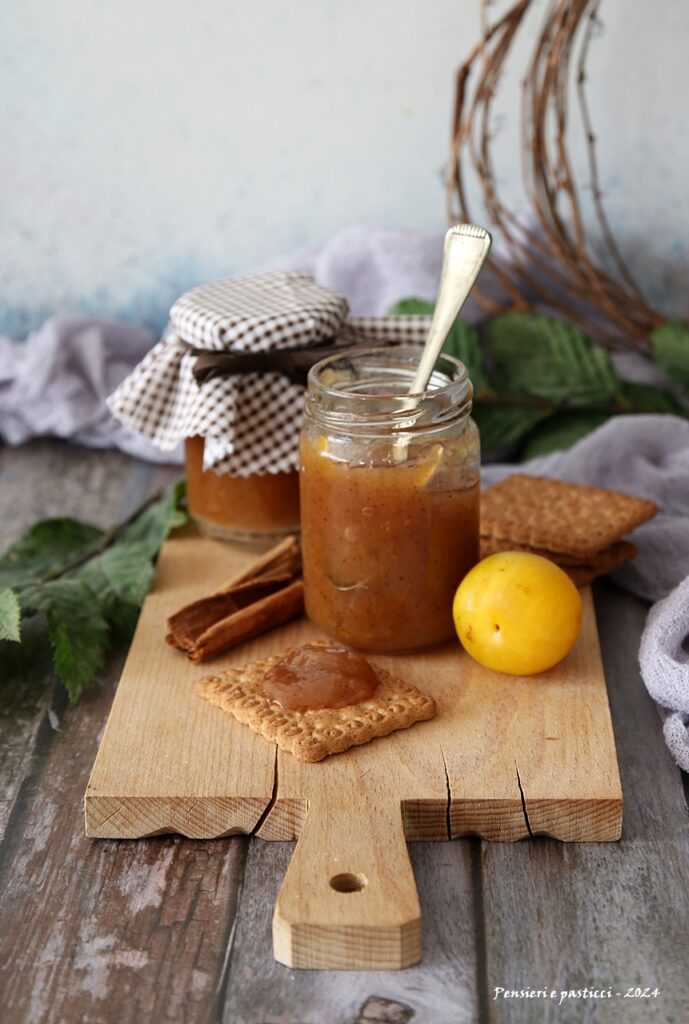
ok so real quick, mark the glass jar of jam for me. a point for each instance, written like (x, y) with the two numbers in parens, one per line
(389, 498)
(256, 509)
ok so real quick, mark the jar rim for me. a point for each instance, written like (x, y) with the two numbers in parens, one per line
(359, 351)
(382, 397)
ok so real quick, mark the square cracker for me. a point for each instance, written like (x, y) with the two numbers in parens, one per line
(581, 572)
(563, 518)
(313, 735)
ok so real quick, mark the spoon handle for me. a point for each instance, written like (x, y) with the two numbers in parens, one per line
(465, 251)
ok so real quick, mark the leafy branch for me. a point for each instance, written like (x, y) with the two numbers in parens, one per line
(541, 385)
(104, 539)
(86, 584)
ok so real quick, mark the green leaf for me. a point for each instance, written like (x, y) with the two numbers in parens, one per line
(9, 616)
(77, 629)
(120, 578)
(544, 358)
(124, 570)
(103, 579)
(27, 667)
(48, 547)
(670, 344)
(503, 427)
(646, 398)
(560, 431)
(462, 341)
(157, 521)
(412, 307)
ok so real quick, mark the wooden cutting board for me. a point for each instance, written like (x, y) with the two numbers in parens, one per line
(505, 758)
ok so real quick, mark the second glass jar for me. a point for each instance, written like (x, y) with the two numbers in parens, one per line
(257, 510)
(389, 490)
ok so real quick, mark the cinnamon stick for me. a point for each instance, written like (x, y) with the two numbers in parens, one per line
(189, 624)
(265, 595)
(284, 557)
(260, 617)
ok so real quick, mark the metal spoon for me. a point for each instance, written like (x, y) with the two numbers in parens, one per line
(465, 251)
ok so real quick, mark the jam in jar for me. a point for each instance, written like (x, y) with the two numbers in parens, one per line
(389, 498)
(256, 509)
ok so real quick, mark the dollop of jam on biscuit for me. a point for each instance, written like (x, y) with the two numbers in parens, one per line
(313, 677)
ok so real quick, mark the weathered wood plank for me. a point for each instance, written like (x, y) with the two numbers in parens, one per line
(38, 480)
(93, 931)
(439, 991)
(52, 478)
(604, 916)
(104, 931)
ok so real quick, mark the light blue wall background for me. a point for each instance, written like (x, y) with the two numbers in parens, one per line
(148, 145)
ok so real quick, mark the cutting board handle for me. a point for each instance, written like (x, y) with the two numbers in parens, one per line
(349, 900)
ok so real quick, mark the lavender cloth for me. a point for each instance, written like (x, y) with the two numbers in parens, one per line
(664, 657)
(57, 381)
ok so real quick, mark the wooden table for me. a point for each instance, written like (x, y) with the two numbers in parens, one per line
(171, 929)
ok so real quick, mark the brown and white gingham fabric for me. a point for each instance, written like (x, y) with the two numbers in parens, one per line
(251, 422)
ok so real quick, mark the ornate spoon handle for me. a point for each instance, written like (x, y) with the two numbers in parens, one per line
(466, 248)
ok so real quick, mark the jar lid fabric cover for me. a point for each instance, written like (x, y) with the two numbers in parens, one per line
(250, 421)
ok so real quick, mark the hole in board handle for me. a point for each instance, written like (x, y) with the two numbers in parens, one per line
(348, 882)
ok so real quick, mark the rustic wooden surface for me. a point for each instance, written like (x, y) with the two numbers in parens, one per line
(170, 929)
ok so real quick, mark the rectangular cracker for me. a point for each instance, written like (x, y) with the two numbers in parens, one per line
(312, 735)
(605, 562)
(563, 518)
(581, 575)
(582, 572)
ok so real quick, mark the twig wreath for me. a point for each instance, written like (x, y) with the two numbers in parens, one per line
(551, 259)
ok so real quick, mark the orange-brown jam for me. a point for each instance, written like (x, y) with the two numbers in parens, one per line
(389, 497)
(227, 506)
(384, 548)
(313, 677)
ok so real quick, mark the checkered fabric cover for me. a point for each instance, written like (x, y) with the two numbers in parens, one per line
(251, 422)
